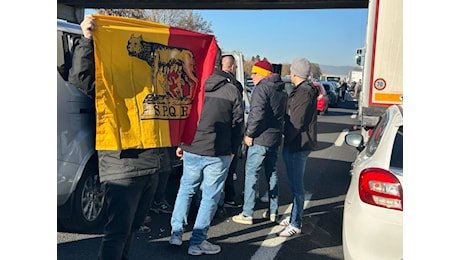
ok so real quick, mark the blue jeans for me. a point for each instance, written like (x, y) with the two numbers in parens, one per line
(260, 156)
(128, 202)
(295, 170)
(210, 172)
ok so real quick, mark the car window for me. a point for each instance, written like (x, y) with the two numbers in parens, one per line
(376, 135)
(397, 152)
(65, 47)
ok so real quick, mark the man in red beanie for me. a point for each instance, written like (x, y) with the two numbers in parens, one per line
(263, 137)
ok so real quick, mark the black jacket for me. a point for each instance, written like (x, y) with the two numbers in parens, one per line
(234, 81)
(300, 127)
(117, 164)
(266, 115)
(219, 131)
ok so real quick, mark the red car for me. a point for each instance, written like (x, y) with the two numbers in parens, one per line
(323, 99)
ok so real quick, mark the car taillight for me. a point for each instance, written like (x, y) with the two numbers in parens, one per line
(381, 188)
(369, 132)
(319, 97)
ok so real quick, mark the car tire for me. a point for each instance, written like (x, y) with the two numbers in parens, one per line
(88, 202)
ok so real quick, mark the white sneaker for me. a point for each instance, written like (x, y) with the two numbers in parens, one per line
(204, 248)
(272, 216)
(289, 231)
(176, 239)
(242, 219)
(285, 222)
(265, 197)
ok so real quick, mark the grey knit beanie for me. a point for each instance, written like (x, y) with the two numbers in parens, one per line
(301, 67)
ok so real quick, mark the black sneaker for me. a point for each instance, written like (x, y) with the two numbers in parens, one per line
(161, 207)
(144, 229)
(231, 204)
(221, 212)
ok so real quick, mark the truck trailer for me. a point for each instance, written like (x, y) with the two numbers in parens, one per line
(382, 61)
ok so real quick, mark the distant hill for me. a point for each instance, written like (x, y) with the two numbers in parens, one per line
(337, 70)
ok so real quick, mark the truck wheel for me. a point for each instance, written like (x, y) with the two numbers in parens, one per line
(88, 207)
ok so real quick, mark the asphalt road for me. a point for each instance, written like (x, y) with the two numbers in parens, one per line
(327, 178)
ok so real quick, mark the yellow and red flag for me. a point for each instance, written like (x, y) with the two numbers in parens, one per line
(149, 82)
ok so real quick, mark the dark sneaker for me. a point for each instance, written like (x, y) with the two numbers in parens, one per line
(144, 229)
(147, 220)
(231, 204)
(161, 207)
(204, 248)
(176, 238)
(221, 212)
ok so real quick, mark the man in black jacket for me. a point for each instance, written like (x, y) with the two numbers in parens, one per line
(129, 176)
(263, 137)
(229, 66)
(300, 138)
(206, 160)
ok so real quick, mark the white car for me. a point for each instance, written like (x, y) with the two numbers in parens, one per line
(373, 210)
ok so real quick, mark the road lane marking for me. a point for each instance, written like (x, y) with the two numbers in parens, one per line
(341, 138)
(272, 243)
(354, 115)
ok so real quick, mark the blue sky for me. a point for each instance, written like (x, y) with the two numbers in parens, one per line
(327, 36)
(323, 36)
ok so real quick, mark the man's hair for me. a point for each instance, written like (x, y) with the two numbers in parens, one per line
(229, 62)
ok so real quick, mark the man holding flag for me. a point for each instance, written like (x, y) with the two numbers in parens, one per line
(119, 65)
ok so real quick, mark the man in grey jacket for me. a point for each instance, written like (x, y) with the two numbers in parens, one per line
(130, 177)
(263, 137)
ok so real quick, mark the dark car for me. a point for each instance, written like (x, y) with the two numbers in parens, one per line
(331, 92)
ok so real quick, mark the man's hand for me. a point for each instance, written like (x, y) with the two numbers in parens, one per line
(179, 152)
(248, 140)
(87, 26)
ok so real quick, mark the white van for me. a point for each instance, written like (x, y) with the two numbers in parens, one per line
(80, 197)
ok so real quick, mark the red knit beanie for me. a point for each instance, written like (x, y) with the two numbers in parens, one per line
(263, 68)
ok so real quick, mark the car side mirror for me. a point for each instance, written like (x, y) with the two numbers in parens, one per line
(355, 140)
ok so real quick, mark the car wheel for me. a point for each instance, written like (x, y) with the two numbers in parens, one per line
(88, 208)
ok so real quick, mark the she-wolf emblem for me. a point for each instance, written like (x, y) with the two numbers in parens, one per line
(173, 73)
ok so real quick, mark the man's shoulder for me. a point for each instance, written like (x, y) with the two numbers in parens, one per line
(308, 87)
